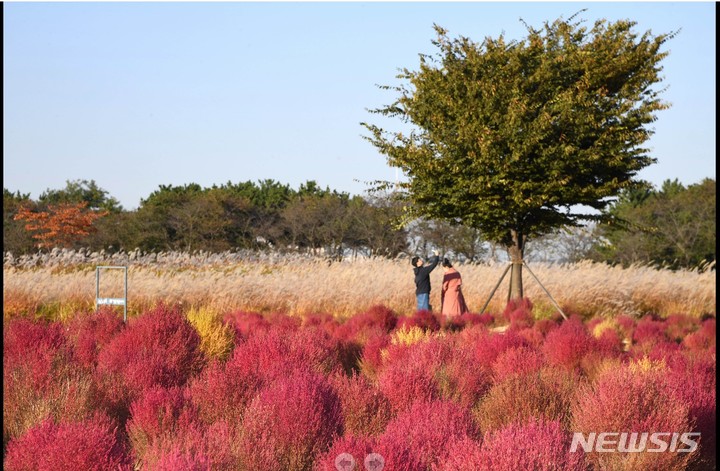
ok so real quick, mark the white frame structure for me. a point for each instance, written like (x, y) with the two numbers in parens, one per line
(111, 301)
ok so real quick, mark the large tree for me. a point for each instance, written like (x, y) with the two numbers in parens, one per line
(518, 138)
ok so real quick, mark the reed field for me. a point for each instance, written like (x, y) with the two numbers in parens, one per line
(64, 281)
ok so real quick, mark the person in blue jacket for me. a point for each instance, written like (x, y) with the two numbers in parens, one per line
(422, 280)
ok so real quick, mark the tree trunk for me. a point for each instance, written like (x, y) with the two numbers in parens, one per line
(516, 251)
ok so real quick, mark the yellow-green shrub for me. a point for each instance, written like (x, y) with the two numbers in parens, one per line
(216, 338)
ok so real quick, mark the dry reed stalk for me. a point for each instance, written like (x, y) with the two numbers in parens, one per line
(301, 285)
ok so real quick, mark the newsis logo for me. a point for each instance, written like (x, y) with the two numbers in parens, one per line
(624, 442)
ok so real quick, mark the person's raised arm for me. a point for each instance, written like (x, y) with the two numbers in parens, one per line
(434, 261)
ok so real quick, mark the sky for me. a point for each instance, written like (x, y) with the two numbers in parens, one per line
(134, 95)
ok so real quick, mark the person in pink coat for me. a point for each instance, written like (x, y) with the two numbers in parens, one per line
(451, 297)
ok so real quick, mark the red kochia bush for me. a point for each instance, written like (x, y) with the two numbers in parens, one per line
(425, 320)
(158, 348)
(193, 445)
(177, 459)
(155, 416)
(87, 445)
(289, 424)
(436, 368)
(371, 357)
(365, 410)
(276, 353)
(488, 345)
(245, 323)
(377, 317)
(516, 361)
(632, 400)
(409, 372)
(222, 391)
(38, 348)
(357, 447)
(425, 429)
(678, 326)
(626, 324)
(566, 345)
(518, 312)
(703, 340)
(546, 393)
(538, 445)
(462, 455)
(39, 378)
(692, 382)
(88, 333)
(649, 330)
(467, 319)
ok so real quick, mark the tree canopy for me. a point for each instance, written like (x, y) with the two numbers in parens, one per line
(513, 136)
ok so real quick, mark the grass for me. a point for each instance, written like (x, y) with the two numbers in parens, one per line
(300, 285)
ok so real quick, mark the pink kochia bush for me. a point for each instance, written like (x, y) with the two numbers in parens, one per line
(365, 410)
(88, 445)
(566, 345)
(537, 444)
(288, 425)
(297, 393)
(519, 313)
(159, 348)
(632, 399)
(40, 379)
(421, 433)
(155, 416)
(357, 447)
(435, 368)
(89, 332)
(38, 348)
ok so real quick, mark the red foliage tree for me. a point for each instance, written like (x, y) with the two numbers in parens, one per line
(60, 225)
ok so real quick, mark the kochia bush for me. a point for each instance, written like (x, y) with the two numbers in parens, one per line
(288, 425)
(633, 398)
(90, 332)
(365, 409)
(91, 445)
(159, 348)
(535, 444)
(425, 428)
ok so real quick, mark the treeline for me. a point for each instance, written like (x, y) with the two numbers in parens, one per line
(249, 215)
(673, 226)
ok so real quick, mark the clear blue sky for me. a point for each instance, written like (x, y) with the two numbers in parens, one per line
(135, 95)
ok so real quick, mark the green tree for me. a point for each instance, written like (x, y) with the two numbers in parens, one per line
(16, 239)
(672, 227)
(518, 138)
(78, 191)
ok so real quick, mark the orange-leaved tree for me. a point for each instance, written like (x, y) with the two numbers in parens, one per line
(59, 225)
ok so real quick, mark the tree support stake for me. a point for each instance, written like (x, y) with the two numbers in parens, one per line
(546, 292)
(495, 288)
(557, 306)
